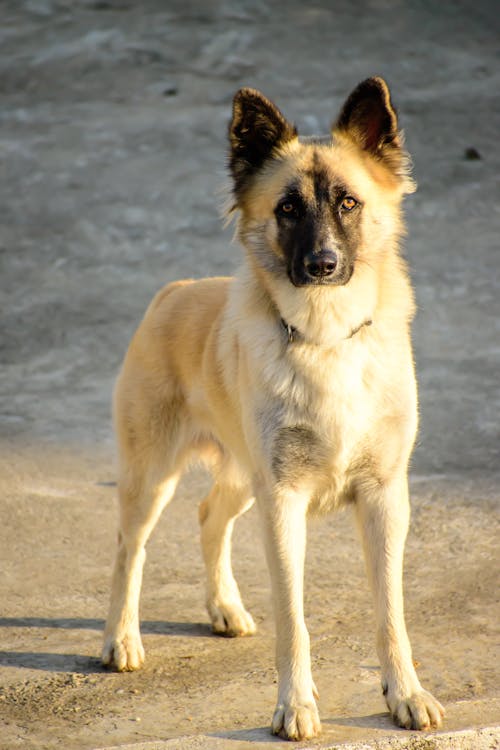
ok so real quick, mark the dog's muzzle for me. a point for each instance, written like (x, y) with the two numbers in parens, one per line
(325, 267)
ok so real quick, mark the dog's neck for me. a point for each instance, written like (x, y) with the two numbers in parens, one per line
(324, 317)
(319, 317)
(293, 334)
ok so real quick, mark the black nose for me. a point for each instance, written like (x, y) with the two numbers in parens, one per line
(322, 264)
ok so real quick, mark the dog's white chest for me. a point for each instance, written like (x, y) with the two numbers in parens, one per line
(318, 418)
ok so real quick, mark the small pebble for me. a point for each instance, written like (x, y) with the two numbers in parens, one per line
(471, 154)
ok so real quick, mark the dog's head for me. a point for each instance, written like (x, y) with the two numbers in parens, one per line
(312, 208)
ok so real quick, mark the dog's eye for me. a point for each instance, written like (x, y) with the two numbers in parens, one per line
(349, 203)
(289, 208)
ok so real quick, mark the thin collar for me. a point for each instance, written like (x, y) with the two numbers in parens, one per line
(293, 334)
(290, 331)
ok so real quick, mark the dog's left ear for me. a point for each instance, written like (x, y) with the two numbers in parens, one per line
(369, 118)
(256, 130)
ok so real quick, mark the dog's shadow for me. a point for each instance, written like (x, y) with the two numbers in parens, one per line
(258, 735)
(380, 720)
(148, 627)
(50, 662)
(54, 662)
(78, 663)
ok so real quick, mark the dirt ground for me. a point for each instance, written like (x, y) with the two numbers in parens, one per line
(113, 152)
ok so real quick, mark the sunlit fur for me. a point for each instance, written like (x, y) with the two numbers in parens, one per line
(303, 425)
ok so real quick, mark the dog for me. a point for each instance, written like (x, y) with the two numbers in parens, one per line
(294, 382)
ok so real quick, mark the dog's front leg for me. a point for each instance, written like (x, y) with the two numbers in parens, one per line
(283, 516)
(383, 515)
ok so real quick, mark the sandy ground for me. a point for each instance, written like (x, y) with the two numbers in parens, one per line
(112, 143)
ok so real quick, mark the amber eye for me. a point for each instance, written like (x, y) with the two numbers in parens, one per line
(287, 208)
(349, 203)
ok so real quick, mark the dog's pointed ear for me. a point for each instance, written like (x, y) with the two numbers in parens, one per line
(256, 130)
(369, 118)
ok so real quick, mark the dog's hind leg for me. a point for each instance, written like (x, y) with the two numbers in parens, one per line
(383, 515)
(142, 500)
(217, 514)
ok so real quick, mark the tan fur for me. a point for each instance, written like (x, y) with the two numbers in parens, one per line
(302, 427)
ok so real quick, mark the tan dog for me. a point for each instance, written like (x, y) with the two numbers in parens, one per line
(294, 381)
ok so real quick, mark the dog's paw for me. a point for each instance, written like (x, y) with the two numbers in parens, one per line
(417, 711)
(296, 721)
(230, 620)
(125, 654)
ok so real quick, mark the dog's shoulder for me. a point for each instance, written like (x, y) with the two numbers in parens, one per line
(178, 321)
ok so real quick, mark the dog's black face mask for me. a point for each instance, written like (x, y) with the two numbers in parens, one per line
(318, 235)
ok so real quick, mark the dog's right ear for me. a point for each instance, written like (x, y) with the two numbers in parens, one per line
(256, 130)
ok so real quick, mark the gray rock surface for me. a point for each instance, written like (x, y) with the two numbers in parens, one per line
(113, 152)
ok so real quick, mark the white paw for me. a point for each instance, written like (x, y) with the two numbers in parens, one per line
(420, 710)
(231, 619)
(296, 721)
(123, 653)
